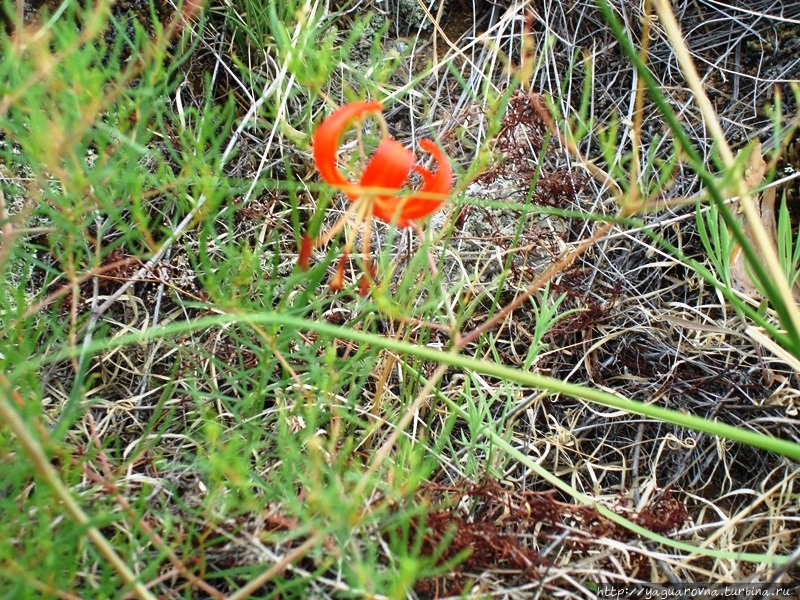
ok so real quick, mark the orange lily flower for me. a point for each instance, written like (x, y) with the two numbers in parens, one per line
(379, 191)
(386, 171)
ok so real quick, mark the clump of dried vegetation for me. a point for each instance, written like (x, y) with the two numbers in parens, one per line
(185, 413)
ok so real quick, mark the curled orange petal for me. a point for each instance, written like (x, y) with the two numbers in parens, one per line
(325, 143)
(387, 170)
(427, 200)
(440, 182)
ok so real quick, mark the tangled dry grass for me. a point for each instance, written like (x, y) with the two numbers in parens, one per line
(637, 321)
(645, 327)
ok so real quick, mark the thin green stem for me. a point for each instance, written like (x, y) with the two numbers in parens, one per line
(451, 358)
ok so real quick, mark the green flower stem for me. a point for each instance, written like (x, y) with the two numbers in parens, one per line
(751, 438)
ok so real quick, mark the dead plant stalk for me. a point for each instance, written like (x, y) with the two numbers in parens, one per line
(739, 187)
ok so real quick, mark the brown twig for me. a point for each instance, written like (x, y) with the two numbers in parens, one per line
(566, 260)
(560, 265)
